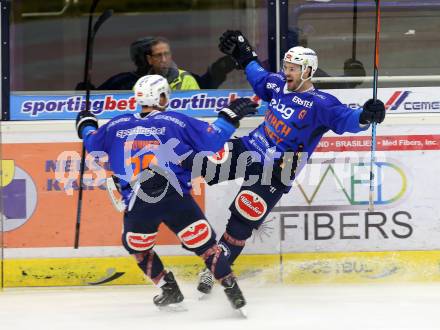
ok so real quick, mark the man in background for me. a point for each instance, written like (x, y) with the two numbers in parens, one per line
(141, 54)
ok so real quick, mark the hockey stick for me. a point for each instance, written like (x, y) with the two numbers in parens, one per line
(281, 273)
(354, 39)
(91, 33)
(373, 127)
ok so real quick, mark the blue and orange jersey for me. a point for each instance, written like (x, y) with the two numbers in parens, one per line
(133, 143)
(295, 119)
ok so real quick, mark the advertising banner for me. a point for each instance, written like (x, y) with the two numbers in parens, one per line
(397, 100)
(320, 231)
(200, 103)
(40, 184)
(327, 207)
(326, 210)
(203, 103)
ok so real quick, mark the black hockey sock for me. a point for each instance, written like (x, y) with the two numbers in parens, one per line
(150, 263)
(217, 262)
(232, 247)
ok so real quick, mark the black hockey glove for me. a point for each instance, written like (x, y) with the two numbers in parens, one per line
(234, 43)
(238, 109)
(83, 119)
(374, 111)
(228, 42)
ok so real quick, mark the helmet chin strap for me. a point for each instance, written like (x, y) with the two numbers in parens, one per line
(162, 107)
(302, 80)
(300, 85)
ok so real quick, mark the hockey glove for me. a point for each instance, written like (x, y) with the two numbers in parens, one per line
(228, 42)
(234, 43)
(238, 109)
(83, 119)
(373, 111)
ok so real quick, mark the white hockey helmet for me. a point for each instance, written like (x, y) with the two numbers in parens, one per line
(305, 57)
(148, 89)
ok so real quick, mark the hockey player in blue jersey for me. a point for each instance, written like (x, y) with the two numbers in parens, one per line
(297, 117)
(144, 151)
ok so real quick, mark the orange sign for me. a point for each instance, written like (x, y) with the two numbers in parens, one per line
(40, 208)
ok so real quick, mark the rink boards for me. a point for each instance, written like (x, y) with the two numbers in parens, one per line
(320, 232)
(297, 268)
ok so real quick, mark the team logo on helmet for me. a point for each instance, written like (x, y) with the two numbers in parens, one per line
(220, 156)
(196, 234)
(250, 205)
(141, 242)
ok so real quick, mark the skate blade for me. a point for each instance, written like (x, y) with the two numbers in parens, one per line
(242, 312)
(203, 296)
(173, 308)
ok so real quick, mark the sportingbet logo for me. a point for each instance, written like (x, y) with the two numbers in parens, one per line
(54, 106)
(77, 103)
(139, 130)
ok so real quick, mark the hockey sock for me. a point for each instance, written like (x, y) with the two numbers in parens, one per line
(217, 262)
(150, 263)
(232, 247)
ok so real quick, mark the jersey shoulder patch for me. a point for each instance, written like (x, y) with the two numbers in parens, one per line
(177, 118)
(119, 119)
(275, 82)
(325, 99)
(277, 77)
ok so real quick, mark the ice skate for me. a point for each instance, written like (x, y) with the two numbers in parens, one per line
(171, 297)
(206, 283)
(234, 294)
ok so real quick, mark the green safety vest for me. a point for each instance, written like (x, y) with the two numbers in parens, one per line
(184, 81)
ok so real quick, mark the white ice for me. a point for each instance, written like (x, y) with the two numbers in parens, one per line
(298, 307)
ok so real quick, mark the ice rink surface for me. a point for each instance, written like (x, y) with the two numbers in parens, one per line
(299, 307)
